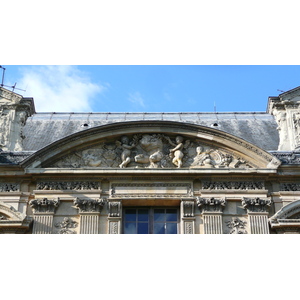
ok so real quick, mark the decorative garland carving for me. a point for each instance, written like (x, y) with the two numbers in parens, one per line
(152, 151)
(188, 208)
(89, 205)
(114, 208)
(237, 226)
(233, 185)
(9, 187)
(69, 185)
(256, 204)
(44, 205)
(290, 187)
(210, 204)
(65, 226)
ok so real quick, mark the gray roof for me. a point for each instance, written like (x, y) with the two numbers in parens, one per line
(42, 129)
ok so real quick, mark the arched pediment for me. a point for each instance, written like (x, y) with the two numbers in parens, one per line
(12, 220)
(152, 144)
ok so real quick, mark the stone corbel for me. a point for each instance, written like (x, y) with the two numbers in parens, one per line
(188, 216)
(114, 216)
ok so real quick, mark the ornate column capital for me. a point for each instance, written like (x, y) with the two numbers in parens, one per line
(89, 205)
(211, 204)
(256, 205)
(114, 209)
(44, 205)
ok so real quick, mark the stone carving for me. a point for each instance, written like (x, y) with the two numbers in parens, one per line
(9, 187)
(152, 151)
(44, 205)
(176, 153)
(233, 185)
(280, 117)
(291, 187)
(72, 185)
(65, 226)
(256, 204)
(288, 158)
(89, 205)
(211, 204)
(114, 208)
(125, 156)
(188, 228)
(188, 208)
(237, 226)
(113, 227)
(2, 217)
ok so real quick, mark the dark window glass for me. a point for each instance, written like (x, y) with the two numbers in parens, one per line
(150, 220)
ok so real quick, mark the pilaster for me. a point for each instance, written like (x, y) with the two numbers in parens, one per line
(43, 213)
(212, 210)
(114, 216)
(187, 211)
(257, 210)
(89, 211)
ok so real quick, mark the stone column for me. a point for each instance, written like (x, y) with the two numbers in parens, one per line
(212, 210)
(187, 212)
(43, 213)
(114, 216)
(89, 211)
(257, 210)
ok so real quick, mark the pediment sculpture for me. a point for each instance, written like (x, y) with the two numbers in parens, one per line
(152, 151)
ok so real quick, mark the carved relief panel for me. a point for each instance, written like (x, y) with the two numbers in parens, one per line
(152, 151)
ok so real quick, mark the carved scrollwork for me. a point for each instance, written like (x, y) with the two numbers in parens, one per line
(65, 226)
(89, 205)
(152, 151)
(210, 204)
(256, 204)
(71, 185)
(44, 205)
(9, 187)
(233, 185)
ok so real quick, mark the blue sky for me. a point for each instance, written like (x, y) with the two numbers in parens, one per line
(152, 88)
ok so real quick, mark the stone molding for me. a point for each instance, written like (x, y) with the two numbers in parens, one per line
(256, 204)
(89, 205)
(44, 205)
(211, 204)
(290, 187)
(188, 207)
(114, 208)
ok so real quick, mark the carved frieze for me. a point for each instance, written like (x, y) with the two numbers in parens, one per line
(68, 185)
(290, 187)
(233, 185)
(9, 187)
(152, 151)
(66, 225)
(237, 226)
(288, 158)
(89, 205)
(210, 204)
(44, 205)
(256, 204)
(114, 208)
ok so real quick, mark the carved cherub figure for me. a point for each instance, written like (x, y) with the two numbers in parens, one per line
(176, 152)
(125, 156)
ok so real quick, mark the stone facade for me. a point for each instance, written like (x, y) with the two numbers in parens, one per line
(150, 175)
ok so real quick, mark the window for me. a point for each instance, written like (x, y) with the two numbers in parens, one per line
(150, 220)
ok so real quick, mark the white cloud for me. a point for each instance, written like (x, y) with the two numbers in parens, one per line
(137, 99)
(59, 88)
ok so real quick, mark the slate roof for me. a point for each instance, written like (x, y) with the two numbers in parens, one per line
(258, 128)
